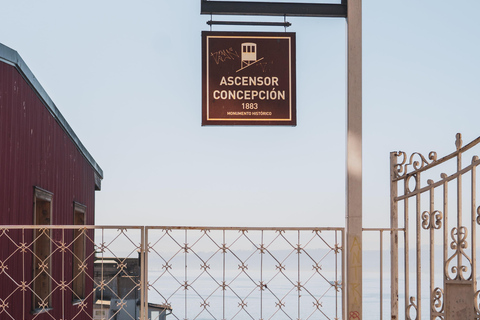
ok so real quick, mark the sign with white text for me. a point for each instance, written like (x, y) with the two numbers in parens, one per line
(248, 78)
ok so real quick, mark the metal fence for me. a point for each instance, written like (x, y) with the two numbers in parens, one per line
(377, 273)
(171, 273)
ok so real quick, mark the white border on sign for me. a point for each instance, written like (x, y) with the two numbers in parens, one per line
(289, 78)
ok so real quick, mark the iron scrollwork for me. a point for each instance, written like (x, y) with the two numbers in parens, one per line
(459, 243)
(409, 308)
(477, 305)
(478, 215)
(433, 220)
(416, 160)
(437, 305)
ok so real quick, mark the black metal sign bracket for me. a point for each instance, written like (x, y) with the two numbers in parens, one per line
(338, 10)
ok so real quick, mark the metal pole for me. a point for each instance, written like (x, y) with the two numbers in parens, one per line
(354, 160)
(144, 274)
(393, 239)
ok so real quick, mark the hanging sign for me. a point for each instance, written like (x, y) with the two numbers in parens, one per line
(248, 78)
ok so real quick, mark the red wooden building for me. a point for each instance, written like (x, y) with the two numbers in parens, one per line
(47, 177)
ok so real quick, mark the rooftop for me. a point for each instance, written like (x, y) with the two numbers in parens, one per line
(12, 57)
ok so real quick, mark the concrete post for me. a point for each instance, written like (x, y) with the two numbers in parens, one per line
(354, 160)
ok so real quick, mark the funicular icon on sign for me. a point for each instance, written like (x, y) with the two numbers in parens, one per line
(249, 55)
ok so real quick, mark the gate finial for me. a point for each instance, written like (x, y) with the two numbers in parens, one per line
(458, 142)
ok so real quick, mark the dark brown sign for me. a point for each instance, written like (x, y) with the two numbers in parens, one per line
(248, 78)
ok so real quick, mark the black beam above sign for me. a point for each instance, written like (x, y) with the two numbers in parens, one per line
(274, 8)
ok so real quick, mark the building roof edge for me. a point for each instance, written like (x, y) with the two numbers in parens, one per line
(12, 57)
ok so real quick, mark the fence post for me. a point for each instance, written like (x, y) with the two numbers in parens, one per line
(143, 275)
(393, 238)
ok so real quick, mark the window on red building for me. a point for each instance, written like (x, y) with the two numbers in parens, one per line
(42, 264)
(79, 254)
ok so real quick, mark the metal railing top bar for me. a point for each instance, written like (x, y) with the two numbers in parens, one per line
(383, 229)
(248, 228)
(8, 226)
(171, 228)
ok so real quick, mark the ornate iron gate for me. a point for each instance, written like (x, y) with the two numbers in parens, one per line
(442, 224)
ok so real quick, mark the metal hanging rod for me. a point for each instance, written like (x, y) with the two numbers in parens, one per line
(249, 23)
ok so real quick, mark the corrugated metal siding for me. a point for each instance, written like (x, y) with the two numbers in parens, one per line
(36, 151)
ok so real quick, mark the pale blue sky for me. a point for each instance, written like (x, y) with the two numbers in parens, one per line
(127, 77)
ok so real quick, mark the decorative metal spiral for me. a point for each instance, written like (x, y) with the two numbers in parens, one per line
(398, 168)
(426, 220)
(477, 305)
(410, 306)
(478, 215)
(437, 300)
(433, 220)
(416, 160)
(407, 183)
(459, 243)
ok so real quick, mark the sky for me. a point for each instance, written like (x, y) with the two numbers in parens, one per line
(126, 75)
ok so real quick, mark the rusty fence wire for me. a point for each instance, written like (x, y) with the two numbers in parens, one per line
(129, 273)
